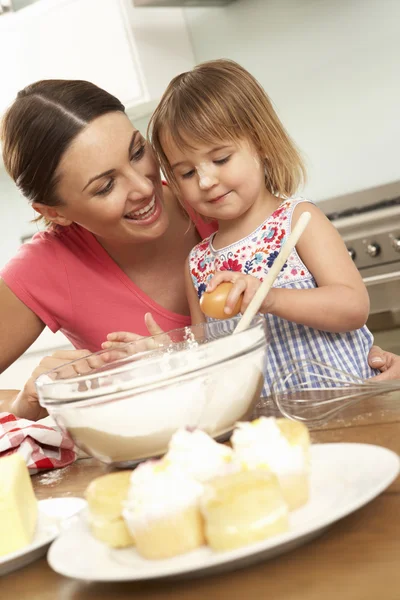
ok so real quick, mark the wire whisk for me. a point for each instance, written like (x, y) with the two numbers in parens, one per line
(309, 391)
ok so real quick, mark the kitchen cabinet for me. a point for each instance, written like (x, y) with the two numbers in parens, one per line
(131, 52)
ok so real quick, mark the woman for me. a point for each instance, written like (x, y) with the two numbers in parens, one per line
(116, 241)
(117, 238)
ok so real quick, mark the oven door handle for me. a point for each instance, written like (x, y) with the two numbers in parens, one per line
(384, 278)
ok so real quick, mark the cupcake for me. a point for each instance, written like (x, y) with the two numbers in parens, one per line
(242, 508)
(281, 446)
(200, 457)
(105, 496)
(162, 511)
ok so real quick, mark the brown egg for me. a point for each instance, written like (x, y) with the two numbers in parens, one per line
(213, 303)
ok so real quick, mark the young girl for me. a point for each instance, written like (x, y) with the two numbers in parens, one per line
(226, 154)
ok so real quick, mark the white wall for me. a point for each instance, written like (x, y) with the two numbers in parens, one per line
(15, 217)
(332, 69)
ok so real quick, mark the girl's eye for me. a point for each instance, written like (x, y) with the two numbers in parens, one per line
(106, 189)
(139, 153)
(222, 161)
(188, 174)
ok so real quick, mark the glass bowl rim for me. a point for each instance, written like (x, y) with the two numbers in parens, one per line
(125, 364)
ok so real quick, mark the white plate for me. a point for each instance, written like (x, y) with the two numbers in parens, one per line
(344, 477)
(52, 514)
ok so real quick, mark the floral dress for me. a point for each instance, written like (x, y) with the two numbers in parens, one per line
(254, 255)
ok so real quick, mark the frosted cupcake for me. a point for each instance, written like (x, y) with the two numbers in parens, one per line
(280, 445)
(243, 508)
(105, 496)
(200, 457)
(238, 507)
(162, 511)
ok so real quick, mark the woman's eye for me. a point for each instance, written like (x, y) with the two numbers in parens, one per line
(188, 174)
(139, 153)
(106, 189)
(222, 161)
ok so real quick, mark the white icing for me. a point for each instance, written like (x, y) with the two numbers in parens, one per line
(199, 456)
(261, 443)
(157, 490)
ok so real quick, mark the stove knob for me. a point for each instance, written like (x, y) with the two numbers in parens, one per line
(373, 249)
(352, 253)
(396, 244)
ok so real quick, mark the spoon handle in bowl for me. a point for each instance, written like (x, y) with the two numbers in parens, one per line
(274, 271)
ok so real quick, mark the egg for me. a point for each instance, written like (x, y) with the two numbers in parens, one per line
(213, 303)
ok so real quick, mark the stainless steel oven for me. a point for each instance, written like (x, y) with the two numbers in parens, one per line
(369, 222)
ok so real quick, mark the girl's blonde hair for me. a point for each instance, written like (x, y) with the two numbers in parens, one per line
(220, 100)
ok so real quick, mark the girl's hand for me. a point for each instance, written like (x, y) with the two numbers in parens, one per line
(242, 284)
(139, 343)
(26, 403)
(119, 338)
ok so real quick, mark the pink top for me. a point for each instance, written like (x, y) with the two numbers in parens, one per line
(70, 282)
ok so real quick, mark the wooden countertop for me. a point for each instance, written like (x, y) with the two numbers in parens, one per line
(357, 558)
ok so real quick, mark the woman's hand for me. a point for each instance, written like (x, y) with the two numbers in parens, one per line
(26, 402)
(242, 284)
(387, 362)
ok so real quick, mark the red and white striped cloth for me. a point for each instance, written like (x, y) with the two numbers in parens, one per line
(42, 446)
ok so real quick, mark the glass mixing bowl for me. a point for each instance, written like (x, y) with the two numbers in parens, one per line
(122, 406)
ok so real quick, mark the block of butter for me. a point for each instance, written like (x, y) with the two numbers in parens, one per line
(18, 505)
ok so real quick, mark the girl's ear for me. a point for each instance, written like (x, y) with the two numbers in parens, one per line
(51, 213)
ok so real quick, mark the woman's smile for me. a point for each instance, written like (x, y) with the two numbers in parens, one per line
(147, 214)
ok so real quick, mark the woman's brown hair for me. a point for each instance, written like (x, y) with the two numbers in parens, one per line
(40, 125)
(220, 100)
